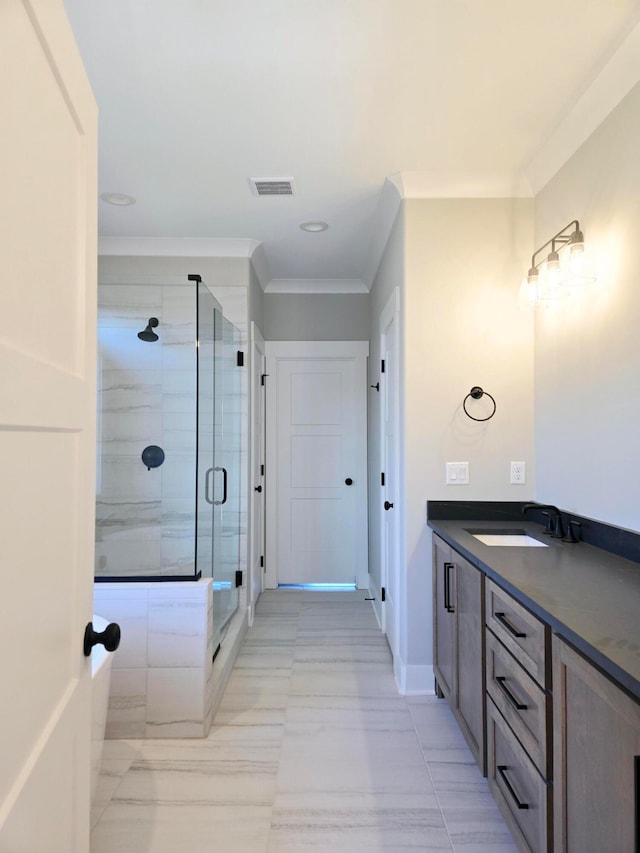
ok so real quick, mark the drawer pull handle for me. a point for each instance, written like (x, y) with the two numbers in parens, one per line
(636, 786)
(447, 588)
(501, 770)
(502, 619)
(501, 682)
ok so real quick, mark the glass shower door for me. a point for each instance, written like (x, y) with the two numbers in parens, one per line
(226, 512)
(218, 467)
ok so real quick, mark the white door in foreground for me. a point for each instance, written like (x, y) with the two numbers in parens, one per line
(317, 475)
(47, 428)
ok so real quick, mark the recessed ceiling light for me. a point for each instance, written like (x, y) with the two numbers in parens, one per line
(314, 226)
(119, 199)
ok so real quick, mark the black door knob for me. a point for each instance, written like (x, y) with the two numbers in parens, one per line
(349, 481)
(109, 638)
(388, 505)
(258, 489)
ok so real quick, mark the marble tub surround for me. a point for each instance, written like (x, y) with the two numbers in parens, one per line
(311, 749)
(161, 684)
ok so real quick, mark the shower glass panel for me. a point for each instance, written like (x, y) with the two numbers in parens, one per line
(168, 453)
(226, 523)
(206, 474)
(218, 478)
(145, 472)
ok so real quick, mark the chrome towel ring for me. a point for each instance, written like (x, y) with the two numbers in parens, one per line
(476, 393)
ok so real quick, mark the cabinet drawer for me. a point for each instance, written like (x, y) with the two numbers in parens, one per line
(522, 794)
(526, 637)
(523, 704)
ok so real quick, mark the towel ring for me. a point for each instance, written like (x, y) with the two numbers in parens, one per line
(477, 392)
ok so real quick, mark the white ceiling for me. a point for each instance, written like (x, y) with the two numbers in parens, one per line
(197, 96)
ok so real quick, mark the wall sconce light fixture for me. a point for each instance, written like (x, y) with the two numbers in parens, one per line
(553, 276)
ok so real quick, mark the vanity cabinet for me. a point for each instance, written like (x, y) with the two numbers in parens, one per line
(596, 759)
(518, 681)
(559, 739)
(444, 619)
(459, 642)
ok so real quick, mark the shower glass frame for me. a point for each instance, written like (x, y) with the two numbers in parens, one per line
(219, 557)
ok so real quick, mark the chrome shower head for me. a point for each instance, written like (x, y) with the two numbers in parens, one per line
(148, 334)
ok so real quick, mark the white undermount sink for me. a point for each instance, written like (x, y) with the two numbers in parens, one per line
(507, 538)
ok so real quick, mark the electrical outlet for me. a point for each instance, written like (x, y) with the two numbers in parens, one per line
(518, 473)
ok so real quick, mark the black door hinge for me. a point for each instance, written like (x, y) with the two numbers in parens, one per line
(240, 358)
(383, 594)
(262, 562)
(382, 366)
(262, 470)
(262, 378)
(238, 578)
(382, 478)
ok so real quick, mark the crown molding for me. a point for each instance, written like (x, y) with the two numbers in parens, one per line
(260, 265)
(388, 206)
(615, 80)
(316, 285)
(178, 247)
(459, 184)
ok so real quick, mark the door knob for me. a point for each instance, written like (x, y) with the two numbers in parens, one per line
(388, 505)
(258, 489)
(349, 481)
(109, 638)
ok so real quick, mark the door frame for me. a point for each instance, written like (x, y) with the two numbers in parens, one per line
(390, 313)
(287, 350)
(257, 456)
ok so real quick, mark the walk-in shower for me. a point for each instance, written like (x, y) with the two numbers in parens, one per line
(168, 461)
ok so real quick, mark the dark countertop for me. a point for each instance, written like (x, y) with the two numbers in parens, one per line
(587, 595)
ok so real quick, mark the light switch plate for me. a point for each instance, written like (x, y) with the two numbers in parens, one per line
(457, 473)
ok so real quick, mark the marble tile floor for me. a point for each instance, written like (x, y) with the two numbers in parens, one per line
(311, 749)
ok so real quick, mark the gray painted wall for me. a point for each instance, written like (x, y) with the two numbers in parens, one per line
(587, 357)
(316, 316)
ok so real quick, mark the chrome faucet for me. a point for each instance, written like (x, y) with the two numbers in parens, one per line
(555, 519)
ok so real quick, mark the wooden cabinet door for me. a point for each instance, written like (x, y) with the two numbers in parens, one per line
(444, 616)
(596, 731)
(469, 686)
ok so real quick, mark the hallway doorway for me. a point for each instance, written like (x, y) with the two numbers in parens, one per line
(316, 455)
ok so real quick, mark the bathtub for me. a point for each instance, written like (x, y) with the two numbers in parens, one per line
(100, 681)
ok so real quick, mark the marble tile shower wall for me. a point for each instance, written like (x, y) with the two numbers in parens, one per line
(145, 520)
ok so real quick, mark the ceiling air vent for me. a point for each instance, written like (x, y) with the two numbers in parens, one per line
(271, 186)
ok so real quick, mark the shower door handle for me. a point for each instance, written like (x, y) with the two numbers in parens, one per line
(207, 481)
(224, 487)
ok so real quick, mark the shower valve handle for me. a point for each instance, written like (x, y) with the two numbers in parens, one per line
(109, 638)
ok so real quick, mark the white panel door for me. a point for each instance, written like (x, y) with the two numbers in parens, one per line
(47, 428)
(318, 416)
(389, 509)
(257, 467)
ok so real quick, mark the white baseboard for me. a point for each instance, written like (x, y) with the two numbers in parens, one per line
(417, 680)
